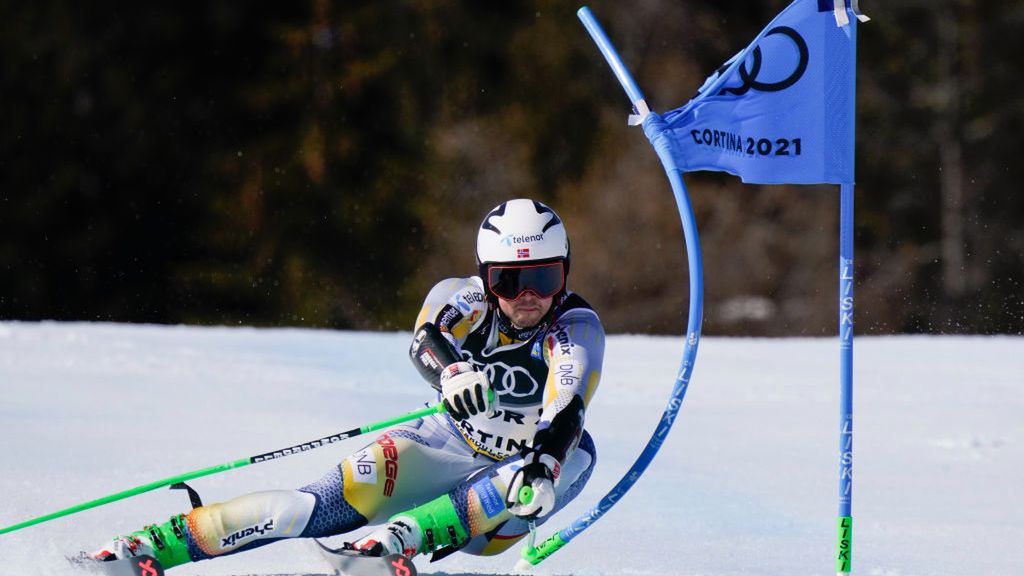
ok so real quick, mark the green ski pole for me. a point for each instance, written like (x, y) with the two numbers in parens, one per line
(304, 447)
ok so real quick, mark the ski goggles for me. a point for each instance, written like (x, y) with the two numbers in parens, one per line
(510, 282)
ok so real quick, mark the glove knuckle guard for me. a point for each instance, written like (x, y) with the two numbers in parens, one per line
(480, 400)
(467, 398)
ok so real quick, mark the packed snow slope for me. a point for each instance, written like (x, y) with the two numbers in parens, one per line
(745, 485)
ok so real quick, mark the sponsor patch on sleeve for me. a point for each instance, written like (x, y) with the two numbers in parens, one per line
(492, 502)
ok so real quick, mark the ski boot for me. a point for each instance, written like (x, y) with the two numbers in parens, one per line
(165, 542)
(387, 551)
(402, 535)
(427, 528)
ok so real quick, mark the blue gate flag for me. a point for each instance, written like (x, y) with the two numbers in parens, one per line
(782, 110)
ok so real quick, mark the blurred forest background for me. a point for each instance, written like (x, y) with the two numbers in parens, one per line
(320, 163)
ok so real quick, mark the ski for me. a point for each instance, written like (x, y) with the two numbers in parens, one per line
(354, 563)
(137, 566)
(345, 563)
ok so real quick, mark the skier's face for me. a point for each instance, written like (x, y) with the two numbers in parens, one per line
(527, 310)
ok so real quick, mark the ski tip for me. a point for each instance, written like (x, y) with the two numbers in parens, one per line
(146, 566)
(400, 565)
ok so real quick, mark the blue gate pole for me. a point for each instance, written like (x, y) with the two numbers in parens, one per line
(653, 127)
(844, 529)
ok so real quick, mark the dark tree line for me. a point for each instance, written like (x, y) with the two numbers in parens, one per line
(323, 163)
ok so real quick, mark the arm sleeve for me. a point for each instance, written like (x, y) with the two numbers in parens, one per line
(451, 309)
(574, 349)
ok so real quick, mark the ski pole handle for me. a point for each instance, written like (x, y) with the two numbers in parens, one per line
(526, 495)
(304, 447)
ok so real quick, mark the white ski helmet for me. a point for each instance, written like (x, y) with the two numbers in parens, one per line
(522, 243)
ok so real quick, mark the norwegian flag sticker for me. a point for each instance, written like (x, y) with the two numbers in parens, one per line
(522, 253)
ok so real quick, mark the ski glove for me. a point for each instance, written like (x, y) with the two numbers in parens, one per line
(531, 494)
(465, 391)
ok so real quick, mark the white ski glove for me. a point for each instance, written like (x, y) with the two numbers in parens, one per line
(465, 391)
(531, 494)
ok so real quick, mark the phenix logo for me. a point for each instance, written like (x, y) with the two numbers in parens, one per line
(510, 239)
(259, 528)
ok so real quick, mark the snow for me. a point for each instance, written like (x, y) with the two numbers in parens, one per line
(746, 483)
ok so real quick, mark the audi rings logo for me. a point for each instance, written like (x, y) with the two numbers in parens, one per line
(513, 381)
(750, 76)
(508, 382)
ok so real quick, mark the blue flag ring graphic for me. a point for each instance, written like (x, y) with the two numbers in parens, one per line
(750, 76)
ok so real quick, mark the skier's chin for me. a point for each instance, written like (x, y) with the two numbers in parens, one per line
(527, 318)
(526, 312)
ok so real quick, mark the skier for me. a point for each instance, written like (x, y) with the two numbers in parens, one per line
(514, 356)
